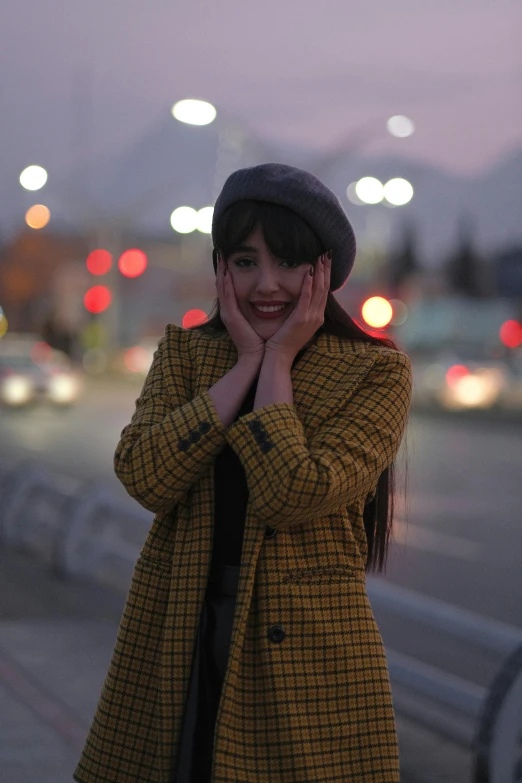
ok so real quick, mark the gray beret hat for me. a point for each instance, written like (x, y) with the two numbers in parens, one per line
(305, 194)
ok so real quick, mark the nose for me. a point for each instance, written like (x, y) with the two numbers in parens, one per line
(267, 281)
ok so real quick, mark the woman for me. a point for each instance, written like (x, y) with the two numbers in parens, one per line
(248, 650)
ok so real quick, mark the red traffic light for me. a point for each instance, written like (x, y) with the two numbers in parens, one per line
(99, 262)
(97, 299)
(132, 263)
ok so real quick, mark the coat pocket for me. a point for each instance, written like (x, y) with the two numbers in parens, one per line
(154, 562)
(333, 573)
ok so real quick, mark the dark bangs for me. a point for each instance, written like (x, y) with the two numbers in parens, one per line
(286, 234)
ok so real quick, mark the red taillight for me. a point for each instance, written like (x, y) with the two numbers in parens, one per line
(455, 373)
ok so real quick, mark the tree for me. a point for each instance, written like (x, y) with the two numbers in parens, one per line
(464, 268)
(403, 263)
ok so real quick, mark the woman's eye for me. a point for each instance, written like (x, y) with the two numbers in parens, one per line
(239, 261)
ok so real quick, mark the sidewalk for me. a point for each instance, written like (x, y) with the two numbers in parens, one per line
(56, 640)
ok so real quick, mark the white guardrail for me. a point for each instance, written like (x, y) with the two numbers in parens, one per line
(84, 531)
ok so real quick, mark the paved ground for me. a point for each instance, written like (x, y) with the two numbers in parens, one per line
(56, 640)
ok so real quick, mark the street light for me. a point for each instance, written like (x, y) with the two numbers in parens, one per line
(194, 112)
(401, 126)
(37, 216)
(398, 191)
(33, 178)
(184, 220)
(377, 312)
(369, 190)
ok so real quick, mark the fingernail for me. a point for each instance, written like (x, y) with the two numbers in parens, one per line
(311, 271)
(329, 254)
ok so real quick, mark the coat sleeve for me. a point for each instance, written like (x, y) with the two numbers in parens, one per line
(292, 480)
(171, 439)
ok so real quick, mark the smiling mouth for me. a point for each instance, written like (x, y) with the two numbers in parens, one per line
(272, 313)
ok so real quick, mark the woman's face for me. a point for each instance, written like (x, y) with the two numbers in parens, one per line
(260, 277)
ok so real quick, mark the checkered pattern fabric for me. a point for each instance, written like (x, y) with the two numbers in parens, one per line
(306, 695)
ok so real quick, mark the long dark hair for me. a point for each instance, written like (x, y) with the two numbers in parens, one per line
(289, 237)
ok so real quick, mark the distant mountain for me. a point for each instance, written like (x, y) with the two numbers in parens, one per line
(175, 164)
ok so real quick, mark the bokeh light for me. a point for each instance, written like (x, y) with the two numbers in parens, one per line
(99, 261)
(132, 263)
(97, 299)
(194, 112)
(511, 334)
(184, 220)
(455, 373)
(400, 312)
(398, 191)
(204, 223)
(370, 190)
(193, 318)
(401, 126)
(33, 178)
(37, 216)
(138, 359)
(377, 312)
(351, 194)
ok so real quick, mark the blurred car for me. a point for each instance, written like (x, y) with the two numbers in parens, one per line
(461, 377)
(32, 371)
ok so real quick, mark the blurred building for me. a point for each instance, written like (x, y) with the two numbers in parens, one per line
(29, 265)
(44, 279)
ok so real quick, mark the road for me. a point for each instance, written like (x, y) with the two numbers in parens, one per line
(458, 530)
(458, 506)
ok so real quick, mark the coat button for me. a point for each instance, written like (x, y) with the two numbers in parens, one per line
(276, 633)
(266, 447)
(195, 436)
(270, 532)
(260, 436)
(203, 427)
(254, 425)
(183, 445)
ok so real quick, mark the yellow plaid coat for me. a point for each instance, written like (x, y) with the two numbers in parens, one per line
(306, 695)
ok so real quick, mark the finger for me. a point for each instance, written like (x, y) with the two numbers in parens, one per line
(307, 289)
(229, 290)
(328, 270)
(318, 280)
(317, 302)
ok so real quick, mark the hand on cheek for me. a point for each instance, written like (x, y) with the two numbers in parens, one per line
(308, 314)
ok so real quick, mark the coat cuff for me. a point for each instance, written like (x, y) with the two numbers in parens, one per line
(270, 443)
(200, 417)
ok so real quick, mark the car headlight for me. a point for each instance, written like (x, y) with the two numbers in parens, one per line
(63, 388)
(479, 389)
(16, 390)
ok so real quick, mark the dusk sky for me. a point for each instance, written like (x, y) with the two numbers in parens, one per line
(302, 72)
